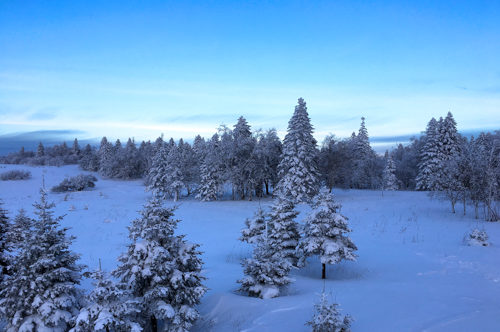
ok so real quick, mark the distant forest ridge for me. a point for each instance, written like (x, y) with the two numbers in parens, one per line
(29, 140)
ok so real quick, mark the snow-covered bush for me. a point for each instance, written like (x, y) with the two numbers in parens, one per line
(266, 272)
(255, 227)
(76, 183)
(327, 318)
(477, 238)
(110, 308)
(15, 175)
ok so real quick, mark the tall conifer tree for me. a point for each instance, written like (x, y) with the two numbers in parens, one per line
(298, 170)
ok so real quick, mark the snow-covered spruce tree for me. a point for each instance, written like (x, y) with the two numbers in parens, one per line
(189, 165)
(157, 175)
(175, 175)
(362, 148)
(110, 308)
(89, 160)
(298, 171)
(390, 182)
(20, 229)
(106, 156)
(489, 145)
(283, 231)
(255, 227)
(429, 160)
(5, 259)
(325, 233)
(266, 272)
(448, 141)
(211, 171)
(42, 294)
(367, 169)
(327, 317)
(209, 184)
(40, 151)
(242, 159)
(272, 149)
(75, 148)
(162, 270)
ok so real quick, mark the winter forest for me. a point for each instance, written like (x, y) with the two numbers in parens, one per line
(255, 164)
(159, 282)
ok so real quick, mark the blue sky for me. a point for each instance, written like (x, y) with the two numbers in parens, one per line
(142, 68)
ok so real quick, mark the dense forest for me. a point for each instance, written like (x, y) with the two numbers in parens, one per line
(251, 163)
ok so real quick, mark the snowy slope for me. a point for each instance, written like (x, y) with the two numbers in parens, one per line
(413, 271)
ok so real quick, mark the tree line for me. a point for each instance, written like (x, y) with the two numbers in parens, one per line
(251, 163)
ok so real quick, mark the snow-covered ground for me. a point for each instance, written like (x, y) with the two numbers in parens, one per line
(414, 272)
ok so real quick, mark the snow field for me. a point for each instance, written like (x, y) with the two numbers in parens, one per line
(414, 272)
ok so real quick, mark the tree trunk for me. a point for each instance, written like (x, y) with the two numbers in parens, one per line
(154, 324)
(452, 206)
(476, 210)
(267, 188)
(323, 271)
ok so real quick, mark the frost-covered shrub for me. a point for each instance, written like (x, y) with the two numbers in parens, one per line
(477, 238)
(327, 318)
(15, 175)
(266, 272)
(76, 183)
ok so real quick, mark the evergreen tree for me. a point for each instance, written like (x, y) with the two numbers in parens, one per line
(448, 147)
(42, 293)
(76, 148)
(40, 151)
(327, 318)
(189, 166)
(429, 157)
(5, 247)
(162, 270)
(255, 227)
(242, 159)
(106, 158)
(174, 174)
(325, 233)
(266, 272)
(283, 230)
(209, 185)
(211, 171)
(366, 168)
(157, 175)
(131, 167)
(362, 148)
(89, 160)
(390, 182)
(20, 229)
(110, 308)
(298, 172)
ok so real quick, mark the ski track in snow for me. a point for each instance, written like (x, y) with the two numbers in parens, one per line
(414, 272)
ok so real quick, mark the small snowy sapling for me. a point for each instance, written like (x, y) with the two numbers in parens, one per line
(325, 233)
(327, 318)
